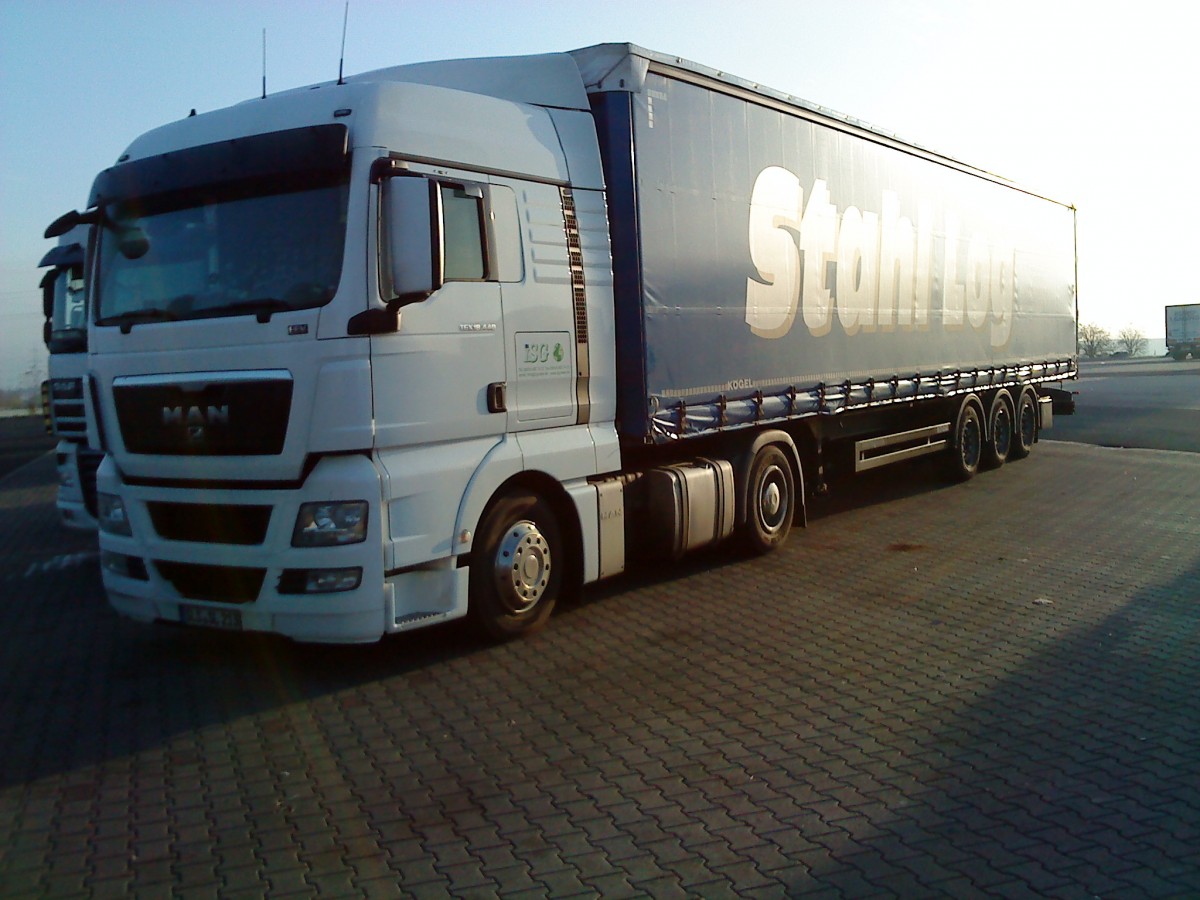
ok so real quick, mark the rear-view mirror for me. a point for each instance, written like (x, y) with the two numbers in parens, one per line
(415, 259)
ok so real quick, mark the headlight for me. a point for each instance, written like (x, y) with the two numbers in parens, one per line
(110, 514)
(326, 524)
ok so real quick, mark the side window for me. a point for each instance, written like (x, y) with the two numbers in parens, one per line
(462, 218)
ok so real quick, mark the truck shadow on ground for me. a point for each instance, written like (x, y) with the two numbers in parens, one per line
(85, 686)
(96, 687)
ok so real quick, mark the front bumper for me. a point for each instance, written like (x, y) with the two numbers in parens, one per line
(243, 583)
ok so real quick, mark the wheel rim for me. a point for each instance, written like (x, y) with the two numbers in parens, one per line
(1002, 432)
(1027, 425)
(522, 567)
(971, 443)
(772, 500)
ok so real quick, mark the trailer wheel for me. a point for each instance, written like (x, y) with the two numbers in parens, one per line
(1000, 431)
(1026, 431)
(516, 566)
(770, 500)
(966, 449)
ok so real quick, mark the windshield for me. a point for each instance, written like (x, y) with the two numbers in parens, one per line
(219, 252)
(68, 322)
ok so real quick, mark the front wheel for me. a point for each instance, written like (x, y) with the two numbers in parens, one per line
(517, 566)
(770, 500)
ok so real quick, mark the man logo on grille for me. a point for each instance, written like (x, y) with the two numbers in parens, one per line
(197, 419)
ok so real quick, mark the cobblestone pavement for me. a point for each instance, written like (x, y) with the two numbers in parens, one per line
(985, 689)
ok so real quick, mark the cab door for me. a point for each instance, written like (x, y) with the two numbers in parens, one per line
(432, 378)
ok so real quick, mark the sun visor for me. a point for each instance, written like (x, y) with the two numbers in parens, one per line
(279, 154)
(63, 255)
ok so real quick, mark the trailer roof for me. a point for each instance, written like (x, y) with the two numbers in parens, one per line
(623, 67)
(603, 65)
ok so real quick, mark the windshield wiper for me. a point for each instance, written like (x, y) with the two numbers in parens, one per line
(128, 319)
(262, 308)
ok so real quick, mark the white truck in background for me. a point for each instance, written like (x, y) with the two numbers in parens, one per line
(64, 306)
(455, 338)
(1183, 331)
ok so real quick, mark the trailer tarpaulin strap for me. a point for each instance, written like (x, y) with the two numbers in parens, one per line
(676, 417)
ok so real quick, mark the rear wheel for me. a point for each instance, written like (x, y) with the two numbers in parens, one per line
(1025, 432)
(516, 566)
(770, 500)
(966, 450)
(1000, 431)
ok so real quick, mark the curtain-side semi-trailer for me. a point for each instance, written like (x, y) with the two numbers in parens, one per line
(65, 334)
(454, 338)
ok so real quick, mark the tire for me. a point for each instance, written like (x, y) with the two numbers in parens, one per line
(517, 567)
(999, 431)
(966, 448)
(770, 501)
(1025, 432)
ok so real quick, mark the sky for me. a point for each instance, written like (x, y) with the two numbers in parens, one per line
(1086, 102)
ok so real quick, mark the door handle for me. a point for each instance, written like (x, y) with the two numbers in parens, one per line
(497, 397)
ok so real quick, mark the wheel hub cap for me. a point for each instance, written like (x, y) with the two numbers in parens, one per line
(522, 567)
(770, 501)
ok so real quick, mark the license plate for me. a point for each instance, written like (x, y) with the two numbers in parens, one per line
(211, 617)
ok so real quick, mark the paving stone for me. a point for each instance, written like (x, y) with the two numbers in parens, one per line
(614, 885)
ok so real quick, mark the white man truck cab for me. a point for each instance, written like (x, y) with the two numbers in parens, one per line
(306, 410)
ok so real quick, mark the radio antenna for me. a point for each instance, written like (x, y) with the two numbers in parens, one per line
(342, 58)
(264, 42)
